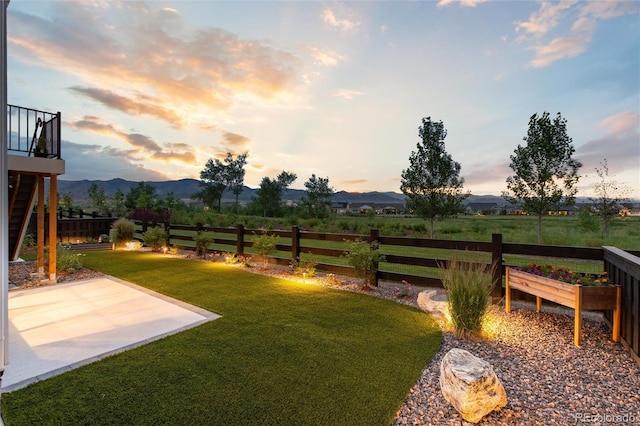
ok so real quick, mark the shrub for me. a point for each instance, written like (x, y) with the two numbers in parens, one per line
(265, 245)
(203, 240)
(469, 288)
(28, 241)
(123, 231)
(364, 257)
(305, 266)
(67, 260)
(155, 238)
(588, 222)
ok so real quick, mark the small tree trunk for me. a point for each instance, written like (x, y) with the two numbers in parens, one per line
(431, 230)
(540, 228)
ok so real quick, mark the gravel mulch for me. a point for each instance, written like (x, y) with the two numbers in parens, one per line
(23, 275)
(548, 380)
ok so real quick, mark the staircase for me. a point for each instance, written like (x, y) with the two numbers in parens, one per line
(22, 190)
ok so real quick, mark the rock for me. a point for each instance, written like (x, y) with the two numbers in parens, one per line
(437, 304)
(470, 385)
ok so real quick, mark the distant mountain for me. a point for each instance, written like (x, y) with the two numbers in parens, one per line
(184, 188)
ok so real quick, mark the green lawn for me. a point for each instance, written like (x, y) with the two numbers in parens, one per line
(282, 353)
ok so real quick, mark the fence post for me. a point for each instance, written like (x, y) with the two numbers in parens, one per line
(295, 242)
(374, 234)
(496, 264)
(240, 239)
(167, 233)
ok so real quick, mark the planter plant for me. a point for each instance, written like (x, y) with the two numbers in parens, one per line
(567, 288)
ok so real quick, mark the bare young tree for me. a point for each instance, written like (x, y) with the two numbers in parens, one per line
(610, 195)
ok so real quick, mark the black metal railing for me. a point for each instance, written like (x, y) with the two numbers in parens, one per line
(33, 133)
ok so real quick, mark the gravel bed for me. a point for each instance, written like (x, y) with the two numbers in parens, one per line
(548, 380)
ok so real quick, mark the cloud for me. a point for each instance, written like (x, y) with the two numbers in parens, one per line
(619, 145)
(148, 62)
(585, 16)
(103, 163)
(341, 18)
(347, 94)
(145, 105)
(325, 57)
(142, 144)
(462, 3)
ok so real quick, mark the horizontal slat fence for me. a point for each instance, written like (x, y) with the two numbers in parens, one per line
(624, 269)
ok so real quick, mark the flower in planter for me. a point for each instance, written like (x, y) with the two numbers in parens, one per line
(565, 274)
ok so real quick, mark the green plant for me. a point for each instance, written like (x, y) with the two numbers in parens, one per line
(41, 146)
(364, 257)
(305, 266)
(67, 260)
(587, 221)
(265, 245)
(28, 241)
(230, 258)
(123, 230)
(469, 288)
(203, 240)
(155, 238)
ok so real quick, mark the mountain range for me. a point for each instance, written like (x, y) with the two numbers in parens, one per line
(184, 188)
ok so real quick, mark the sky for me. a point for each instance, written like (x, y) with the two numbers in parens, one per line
(149, 91)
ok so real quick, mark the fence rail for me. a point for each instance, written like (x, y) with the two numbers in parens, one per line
(622, 267)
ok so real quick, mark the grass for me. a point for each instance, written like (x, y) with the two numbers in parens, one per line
(282, 353)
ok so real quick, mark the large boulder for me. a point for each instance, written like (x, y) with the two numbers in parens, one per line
(470, 385)
(435, 302)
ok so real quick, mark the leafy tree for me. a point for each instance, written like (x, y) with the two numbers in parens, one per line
(117, 202)
(317, 201)
(610, 194)
(140, 197)
(432, 183)
(545, 172)
(217, 176)
(235, 174)
(66, 200)
(97, 197)
(269, 195)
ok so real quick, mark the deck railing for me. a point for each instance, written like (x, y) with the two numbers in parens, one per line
(25, 127)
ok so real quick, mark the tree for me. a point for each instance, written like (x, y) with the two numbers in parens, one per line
(432, 183)
(269, 195)
(97, 197)
(213, 181)
(117, 202)
(609, 196)
(545, 172)
(140, 197)
(220, 175)
(235, 174)
(317, 201)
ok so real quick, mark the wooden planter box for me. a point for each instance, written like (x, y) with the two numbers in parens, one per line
(577, 297)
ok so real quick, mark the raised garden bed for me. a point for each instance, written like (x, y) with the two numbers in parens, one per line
(576, 297)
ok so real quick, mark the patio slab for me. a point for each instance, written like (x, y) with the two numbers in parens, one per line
(55, 329)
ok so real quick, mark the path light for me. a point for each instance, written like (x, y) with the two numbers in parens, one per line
(165, 249)
(131, 245)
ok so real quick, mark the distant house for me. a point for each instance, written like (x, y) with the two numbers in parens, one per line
(485, 209)
(340, 207)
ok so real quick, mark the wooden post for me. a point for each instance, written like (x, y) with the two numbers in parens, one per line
(617, 314)
(40, 225)
(240, 239)
(373, 236)
(295, 243)
(53, 228)
(496, 264)
(577, 326)
(538, 303)
(507, 294)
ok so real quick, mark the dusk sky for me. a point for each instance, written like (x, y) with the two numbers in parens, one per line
(151, 90)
